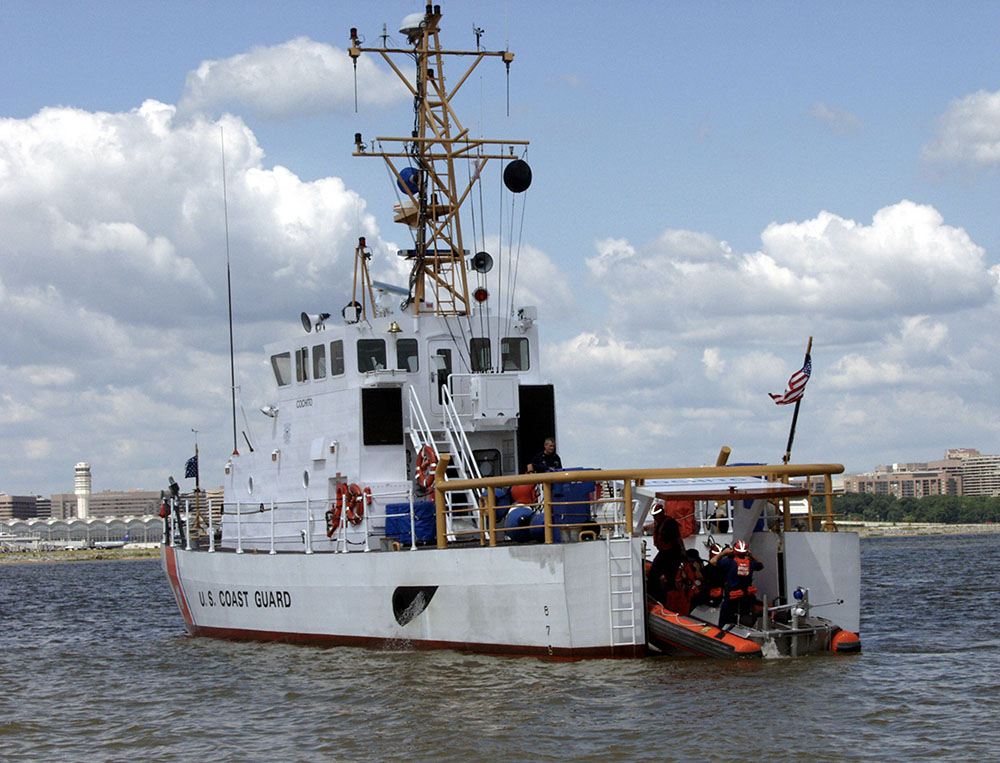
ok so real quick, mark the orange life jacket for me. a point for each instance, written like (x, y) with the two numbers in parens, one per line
(742, 565)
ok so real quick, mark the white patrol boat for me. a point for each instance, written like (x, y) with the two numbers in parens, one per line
(385, 502)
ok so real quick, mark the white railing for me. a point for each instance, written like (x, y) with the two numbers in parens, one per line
(291, 520)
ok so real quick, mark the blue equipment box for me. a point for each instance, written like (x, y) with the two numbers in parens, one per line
(397, 521)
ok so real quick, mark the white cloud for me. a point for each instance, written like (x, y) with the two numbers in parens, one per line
(968, 132)
(900, 310)
(714, 365)
(839, 120)
(906, 261)
(113, 290)
(296, 78)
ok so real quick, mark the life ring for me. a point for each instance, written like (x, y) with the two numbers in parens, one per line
(333, 518)
(427, 462)
(356, 500)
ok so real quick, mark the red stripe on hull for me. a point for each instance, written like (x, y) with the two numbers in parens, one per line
(170, 562)
(509, 650)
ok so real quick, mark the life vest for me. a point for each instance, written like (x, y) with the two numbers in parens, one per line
(744, 572)
(742, 565)
(688, 577)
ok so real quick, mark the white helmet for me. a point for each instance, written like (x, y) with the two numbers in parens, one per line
(740, 547)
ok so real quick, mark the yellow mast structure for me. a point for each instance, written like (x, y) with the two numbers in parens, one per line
(433, 196)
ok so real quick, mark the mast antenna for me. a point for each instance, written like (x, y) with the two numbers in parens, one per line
(229, 288)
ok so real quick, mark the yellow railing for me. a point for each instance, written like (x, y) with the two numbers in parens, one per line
(628, 477)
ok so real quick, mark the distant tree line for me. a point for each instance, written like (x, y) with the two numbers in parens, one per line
(945, 509)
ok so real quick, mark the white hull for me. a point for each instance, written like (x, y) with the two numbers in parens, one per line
(547, 600)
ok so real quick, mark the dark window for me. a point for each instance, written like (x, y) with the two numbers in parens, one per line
(282, 367)
(302, 364)
(443, 370)
(488, 462)
(382, 416)
(479, 354)
(337, 357)
(371, 354)
(406, 355)
(514, 353)
(319, 361)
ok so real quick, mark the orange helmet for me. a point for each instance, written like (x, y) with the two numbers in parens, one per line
(740, 547)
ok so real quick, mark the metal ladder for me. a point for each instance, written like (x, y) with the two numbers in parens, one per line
(449, 438)
(622, 597)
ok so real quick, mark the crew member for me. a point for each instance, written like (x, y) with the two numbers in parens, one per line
(738, 565)
(713, 580)
(662, 575)
(546, 460)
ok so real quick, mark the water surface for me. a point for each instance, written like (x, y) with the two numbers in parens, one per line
(96, 666)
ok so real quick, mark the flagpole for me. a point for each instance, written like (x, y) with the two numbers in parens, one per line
(795, 414)
(197, 483)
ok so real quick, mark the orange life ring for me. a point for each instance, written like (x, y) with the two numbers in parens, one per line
(356, 500)
(427, 462)
(333, 517)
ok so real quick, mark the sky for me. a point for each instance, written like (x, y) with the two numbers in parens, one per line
(713, 184)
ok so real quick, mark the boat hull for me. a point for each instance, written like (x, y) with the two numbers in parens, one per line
(547, 600)
(670, 630)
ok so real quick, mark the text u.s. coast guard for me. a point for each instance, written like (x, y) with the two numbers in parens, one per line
(242, 598)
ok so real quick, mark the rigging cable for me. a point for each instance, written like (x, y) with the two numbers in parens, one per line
(229, 288)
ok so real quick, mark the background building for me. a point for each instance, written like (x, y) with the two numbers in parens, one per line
(963, 471)
(18, 506)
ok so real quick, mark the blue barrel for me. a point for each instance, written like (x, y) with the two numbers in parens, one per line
(517, 524)
(503, 502)
(538, 527)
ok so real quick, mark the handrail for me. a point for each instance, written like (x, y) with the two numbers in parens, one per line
(771, 471)
(417, 412)
(455, 431)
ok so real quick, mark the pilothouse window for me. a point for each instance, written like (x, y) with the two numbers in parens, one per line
(302, 364)
(319, 361)
(406, 355)
(479, 354)
(282, 367)
(371, 355)
(337, 357)
(514, 353)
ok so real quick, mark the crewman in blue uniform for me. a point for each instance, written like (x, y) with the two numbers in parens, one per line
(739, 565)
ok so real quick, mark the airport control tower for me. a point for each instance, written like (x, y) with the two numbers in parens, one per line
(81, 484)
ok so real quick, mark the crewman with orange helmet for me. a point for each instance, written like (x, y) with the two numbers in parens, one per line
(739, 565)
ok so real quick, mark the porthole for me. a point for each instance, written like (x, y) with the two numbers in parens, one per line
(305, 478)
(250, 485)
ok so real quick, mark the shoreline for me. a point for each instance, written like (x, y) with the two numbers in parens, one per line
(896, 529)
(82, 555)
(863, 529)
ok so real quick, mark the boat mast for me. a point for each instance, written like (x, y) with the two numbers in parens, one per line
(433, 195)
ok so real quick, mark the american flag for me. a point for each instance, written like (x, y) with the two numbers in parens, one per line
(191, 467)
(796, 385)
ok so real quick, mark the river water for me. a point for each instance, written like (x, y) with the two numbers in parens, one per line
(95, 665)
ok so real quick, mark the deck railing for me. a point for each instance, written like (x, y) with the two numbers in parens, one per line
(629, 479)
(300, 519)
